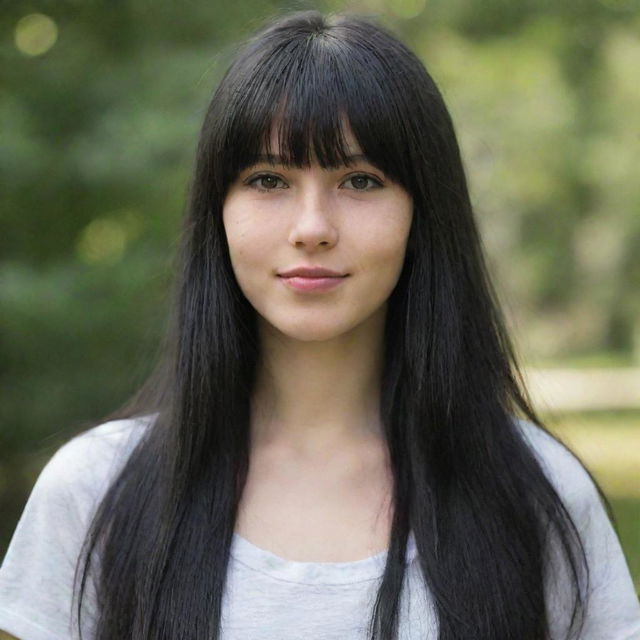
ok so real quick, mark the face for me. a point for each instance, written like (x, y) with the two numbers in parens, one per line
(353, 221)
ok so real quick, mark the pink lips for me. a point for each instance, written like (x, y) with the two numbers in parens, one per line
(309, 279)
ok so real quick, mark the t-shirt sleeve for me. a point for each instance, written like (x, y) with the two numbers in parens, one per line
(38, 571)
(612, 607)
(613, 610)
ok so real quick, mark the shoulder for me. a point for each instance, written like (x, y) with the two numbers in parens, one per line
(37, 573)
(612, 609)
(105, 443)
(561, 465)
(82, 468)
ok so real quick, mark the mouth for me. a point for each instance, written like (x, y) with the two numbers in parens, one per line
(308, 284)
(312, 272)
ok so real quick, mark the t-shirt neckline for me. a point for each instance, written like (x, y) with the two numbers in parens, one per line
(269, 563)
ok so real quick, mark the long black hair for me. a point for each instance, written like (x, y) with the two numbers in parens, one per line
(160, 542)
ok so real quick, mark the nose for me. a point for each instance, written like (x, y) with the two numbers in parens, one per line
(313, 225)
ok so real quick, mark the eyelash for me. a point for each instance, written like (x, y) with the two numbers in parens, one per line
(253, 181)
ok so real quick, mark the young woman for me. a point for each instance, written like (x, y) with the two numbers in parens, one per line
(338, 444)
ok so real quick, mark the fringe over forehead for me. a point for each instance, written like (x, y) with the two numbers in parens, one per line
(302, 82)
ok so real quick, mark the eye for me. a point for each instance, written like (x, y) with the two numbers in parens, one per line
(362, 182)
(266, 182)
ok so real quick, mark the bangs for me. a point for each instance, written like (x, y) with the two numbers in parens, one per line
(303, 98)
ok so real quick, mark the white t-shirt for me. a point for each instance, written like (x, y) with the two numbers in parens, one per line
(268, 597)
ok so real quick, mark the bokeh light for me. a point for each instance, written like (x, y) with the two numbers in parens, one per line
(102, 241)
(35, 34)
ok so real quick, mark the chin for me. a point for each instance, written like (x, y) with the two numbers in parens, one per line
(309, 331)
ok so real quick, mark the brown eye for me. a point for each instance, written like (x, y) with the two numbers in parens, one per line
(266, 182)
(362, 182)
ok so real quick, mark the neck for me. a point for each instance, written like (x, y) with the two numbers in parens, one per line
(318, 396)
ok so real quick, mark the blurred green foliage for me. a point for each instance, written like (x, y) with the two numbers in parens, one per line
(100, 104)
(627, 513)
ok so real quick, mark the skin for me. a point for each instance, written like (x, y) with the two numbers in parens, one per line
(315, 427)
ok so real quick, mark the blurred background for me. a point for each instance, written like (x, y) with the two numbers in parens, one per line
(100, 105)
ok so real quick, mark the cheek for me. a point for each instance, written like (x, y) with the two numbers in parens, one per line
(250, 243)
(387, 241)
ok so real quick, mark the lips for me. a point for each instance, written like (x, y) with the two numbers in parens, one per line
(311, 272)
(312, 285)
(310, 279)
